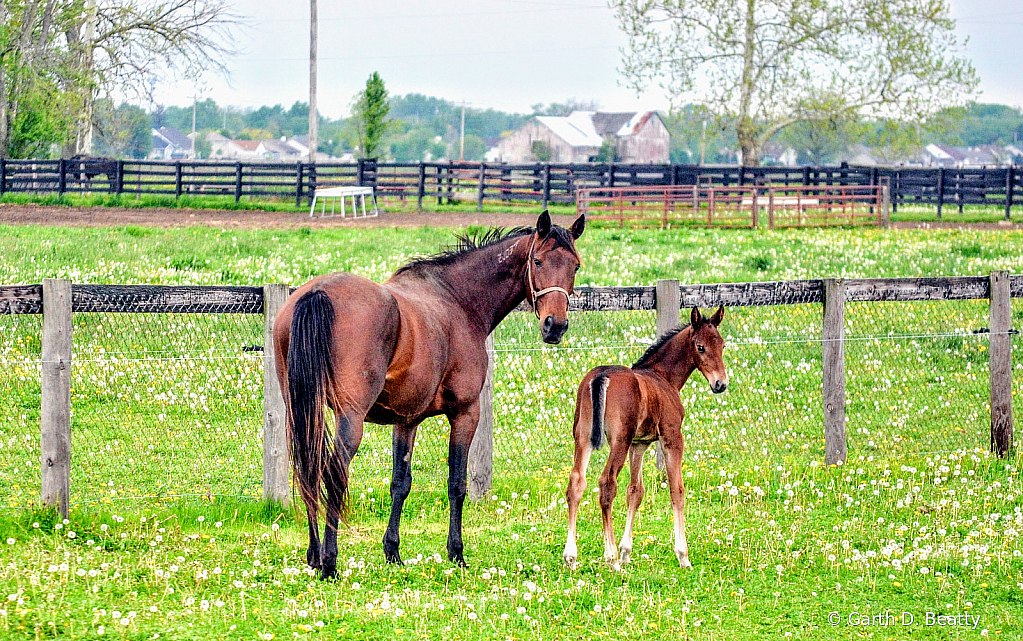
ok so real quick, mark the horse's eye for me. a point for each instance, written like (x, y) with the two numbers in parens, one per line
(701, 349)
(577, 267)
(536, 261)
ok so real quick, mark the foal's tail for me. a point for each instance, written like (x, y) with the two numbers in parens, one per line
(310, 387)
(598, 395)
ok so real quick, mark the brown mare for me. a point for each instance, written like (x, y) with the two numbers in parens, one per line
(399, 352)
(634, 407)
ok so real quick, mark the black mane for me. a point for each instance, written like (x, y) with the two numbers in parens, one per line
(471, 241)
(648, 355)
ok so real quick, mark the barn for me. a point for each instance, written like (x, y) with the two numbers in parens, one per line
(638, 137)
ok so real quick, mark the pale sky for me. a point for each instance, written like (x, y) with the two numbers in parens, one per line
(506, 54)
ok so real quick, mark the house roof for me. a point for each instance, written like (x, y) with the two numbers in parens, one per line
(276, 146)
(247, 145)
(175, 137)
(302, 139)
(576, 128)
(613, 123)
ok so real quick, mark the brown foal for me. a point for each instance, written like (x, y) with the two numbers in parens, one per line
(634, 407)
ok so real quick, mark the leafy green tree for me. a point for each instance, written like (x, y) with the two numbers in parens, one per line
(475, 148)
(565, 108)
(124, 131)
(541, 150)
(369, 113)
(608, 152)
(763, 65)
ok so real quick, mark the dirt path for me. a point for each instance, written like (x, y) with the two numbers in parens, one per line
(154, 217)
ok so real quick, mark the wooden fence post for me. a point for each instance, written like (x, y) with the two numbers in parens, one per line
(482, 187)
(546, 184)
(886, 204)
(833, 346)
(119, 181)
(61, 176)
(1010, 180)
(177, 179)
(237, 181)
(1000, 364)
(55, 402)
(298, 184)
(481, 452)
(275, 445)
(422, 186)
(667, 302)
(3, 176)
(941, 190)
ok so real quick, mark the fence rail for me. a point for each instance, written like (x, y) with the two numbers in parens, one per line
(450, 182)
(59, 299)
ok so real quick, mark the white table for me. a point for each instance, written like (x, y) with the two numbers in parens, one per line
(357, 194)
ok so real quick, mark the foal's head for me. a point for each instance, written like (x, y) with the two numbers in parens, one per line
(550, 274)
(707, 346)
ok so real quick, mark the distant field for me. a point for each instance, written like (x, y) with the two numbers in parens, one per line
(169, 533)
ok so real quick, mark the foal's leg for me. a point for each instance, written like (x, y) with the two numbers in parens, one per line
(463, 428)
(403, 437)
(634, 495)
(677, 489)
(349, 436)
(576, 487)
(608, 491)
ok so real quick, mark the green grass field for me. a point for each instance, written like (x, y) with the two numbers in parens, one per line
(167, 536)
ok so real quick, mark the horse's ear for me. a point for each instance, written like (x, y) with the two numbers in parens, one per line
(578, 226)
(718, 316)
(696, 318)
(543, 224)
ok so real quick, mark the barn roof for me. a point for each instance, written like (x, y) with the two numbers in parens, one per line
(576, 129)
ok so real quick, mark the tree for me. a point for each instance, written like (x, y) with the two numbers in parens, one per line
(763, 65)
(62, 56)
(124, 131)
(818, 142)
(565, 108)
(368, 112)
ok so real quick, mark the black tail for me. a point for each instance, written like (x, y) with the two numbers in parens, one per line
(598, 393)
(310, 386)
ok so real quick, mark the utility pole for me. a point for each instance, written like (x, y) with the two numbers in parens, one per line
(461, 138)
(313, 121)
(195, 99)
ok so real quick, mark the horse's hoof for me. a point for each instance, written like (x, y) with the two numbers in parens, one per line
(683, 562)
(458, 560)
(328, 574)
(614, 564)
(625, 554)
(393, 557)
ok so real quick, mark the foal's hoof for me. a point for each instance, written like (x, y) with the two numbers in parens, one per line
(625, 554)
(614, 564)
(571, 560)
(683, 562)
(393, 557)
(328, 574)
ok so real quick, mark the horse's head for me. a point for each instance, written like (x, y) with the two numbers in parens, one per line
(708, 347)
(550, 274)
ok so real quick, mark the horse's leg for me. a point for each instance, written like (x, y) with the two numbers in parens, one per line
(576, 487)
(608, 491)
(404, 437)
(348, 438)
(677, 489)
(312, 553)
(634, 495)
(463, 428)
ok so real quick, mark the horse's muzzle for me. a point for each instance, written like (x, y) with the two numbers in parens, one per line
(552, 330)
(719, 386)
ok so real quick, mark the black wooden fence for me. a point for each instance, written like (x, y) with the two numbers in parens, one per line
(480, 183)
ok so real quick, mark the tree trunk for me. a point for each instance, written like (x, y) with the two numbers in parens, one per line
(749, 143)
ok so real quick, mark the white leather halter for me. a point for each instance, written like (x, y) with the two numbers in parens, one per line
(534, 295)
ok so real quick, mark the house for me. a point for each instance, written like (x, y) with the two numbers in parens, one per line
(774, 153)
(979, 156)
(169, 143)
(300, 144)
(637, 137)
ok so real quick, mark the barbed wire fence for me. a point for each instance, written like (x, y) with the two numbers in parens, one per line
(169, 406)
